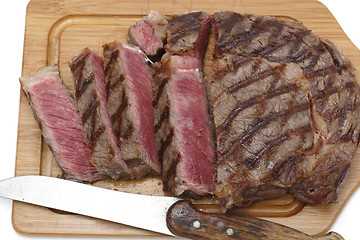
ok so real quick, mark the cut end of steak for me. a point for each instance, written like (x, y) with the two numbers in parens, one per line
(129, 88)
(195, 170)
(91, 97)
(58, 117)
(286, 111)
(182, 127)
(149, 33)
(182, 124)
(187, 34)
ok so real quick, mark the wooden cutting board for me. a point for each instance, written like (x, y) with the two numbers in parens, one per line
(58, 30)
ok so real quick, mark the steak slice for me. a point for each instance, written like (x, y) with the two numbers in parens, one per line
(182, 126)
(91, 97)
(286, 111)
(129, 88)
(56, 112)
(149, 33)
(187, 34)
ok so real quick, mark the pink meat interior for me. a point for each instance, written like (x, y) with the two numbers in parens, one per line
(99, 77)
(139, 82)
(146, 39)
(192, 131)
(61, 126)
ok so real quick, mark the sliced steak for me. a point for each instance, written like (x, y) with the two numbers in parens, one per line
(187, 34)
(149, 34)
(286, 111)
(129, 88)
(56, 112)
(182, 126)
(91, 97)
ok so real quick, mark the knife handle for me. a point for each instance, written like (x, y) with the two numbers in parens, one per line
(185, 221)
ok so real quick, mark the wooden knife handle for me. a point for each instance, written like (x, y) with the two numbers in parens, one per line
(185, 221)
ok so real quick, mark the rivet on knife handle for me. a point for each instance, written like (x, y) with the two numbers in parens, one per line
(185, 221)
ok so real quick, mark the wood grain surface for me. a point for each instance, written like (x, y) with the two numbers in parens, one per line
(57, 30)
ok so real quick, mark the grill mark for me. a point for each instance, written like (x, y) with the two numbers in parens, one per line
(319, 97)
(165, 144)
(256, 126)
(93, 121)
(164, 116)
(226, 25)
(310, 73)
(160, 91)
(271, 117)
(256, 77)
(177, 26)
(94, 136)
(306, 53)
(79, 61)
(252, 101)
(77, 66)
(171, 173)
(113, 57)
(269, 146)
(302, 55)
(82, 86)
(115, 84)
(277, 77)
(323, 95)
(273, 45)
(90, 109)
(266, 50)
(239, 61)
(78, 79)
(128, 132)
(252, 162)
(341, 114)
(259, 26)
(281, 90)
(116, 117)
(230, 22)
(235, 64)
(286, 166)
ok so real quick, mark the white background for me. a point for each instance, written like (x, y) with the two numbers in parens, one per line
(12, 22)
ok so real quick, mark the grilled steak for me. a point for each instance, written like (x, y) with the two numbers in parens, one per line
(149, 33)
(182, 127)
(91, 97)
(187, 34)
(55, 111)
(286, 111)
(129, 88)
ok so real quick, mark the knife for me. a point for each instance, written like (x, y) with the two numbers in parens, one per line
(167, 215)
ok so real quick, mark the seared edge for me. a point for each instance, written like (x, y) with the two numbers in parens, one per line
(130, 106)
(54, 109)
(262, 65)
(149, 33)
(185, 48)
(90, 93)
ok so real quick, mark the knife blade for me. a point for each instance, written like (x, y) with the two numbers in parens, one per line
(167, 215)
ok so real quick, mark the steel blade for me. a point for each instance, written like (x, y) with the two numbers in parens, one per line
(142, 211)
